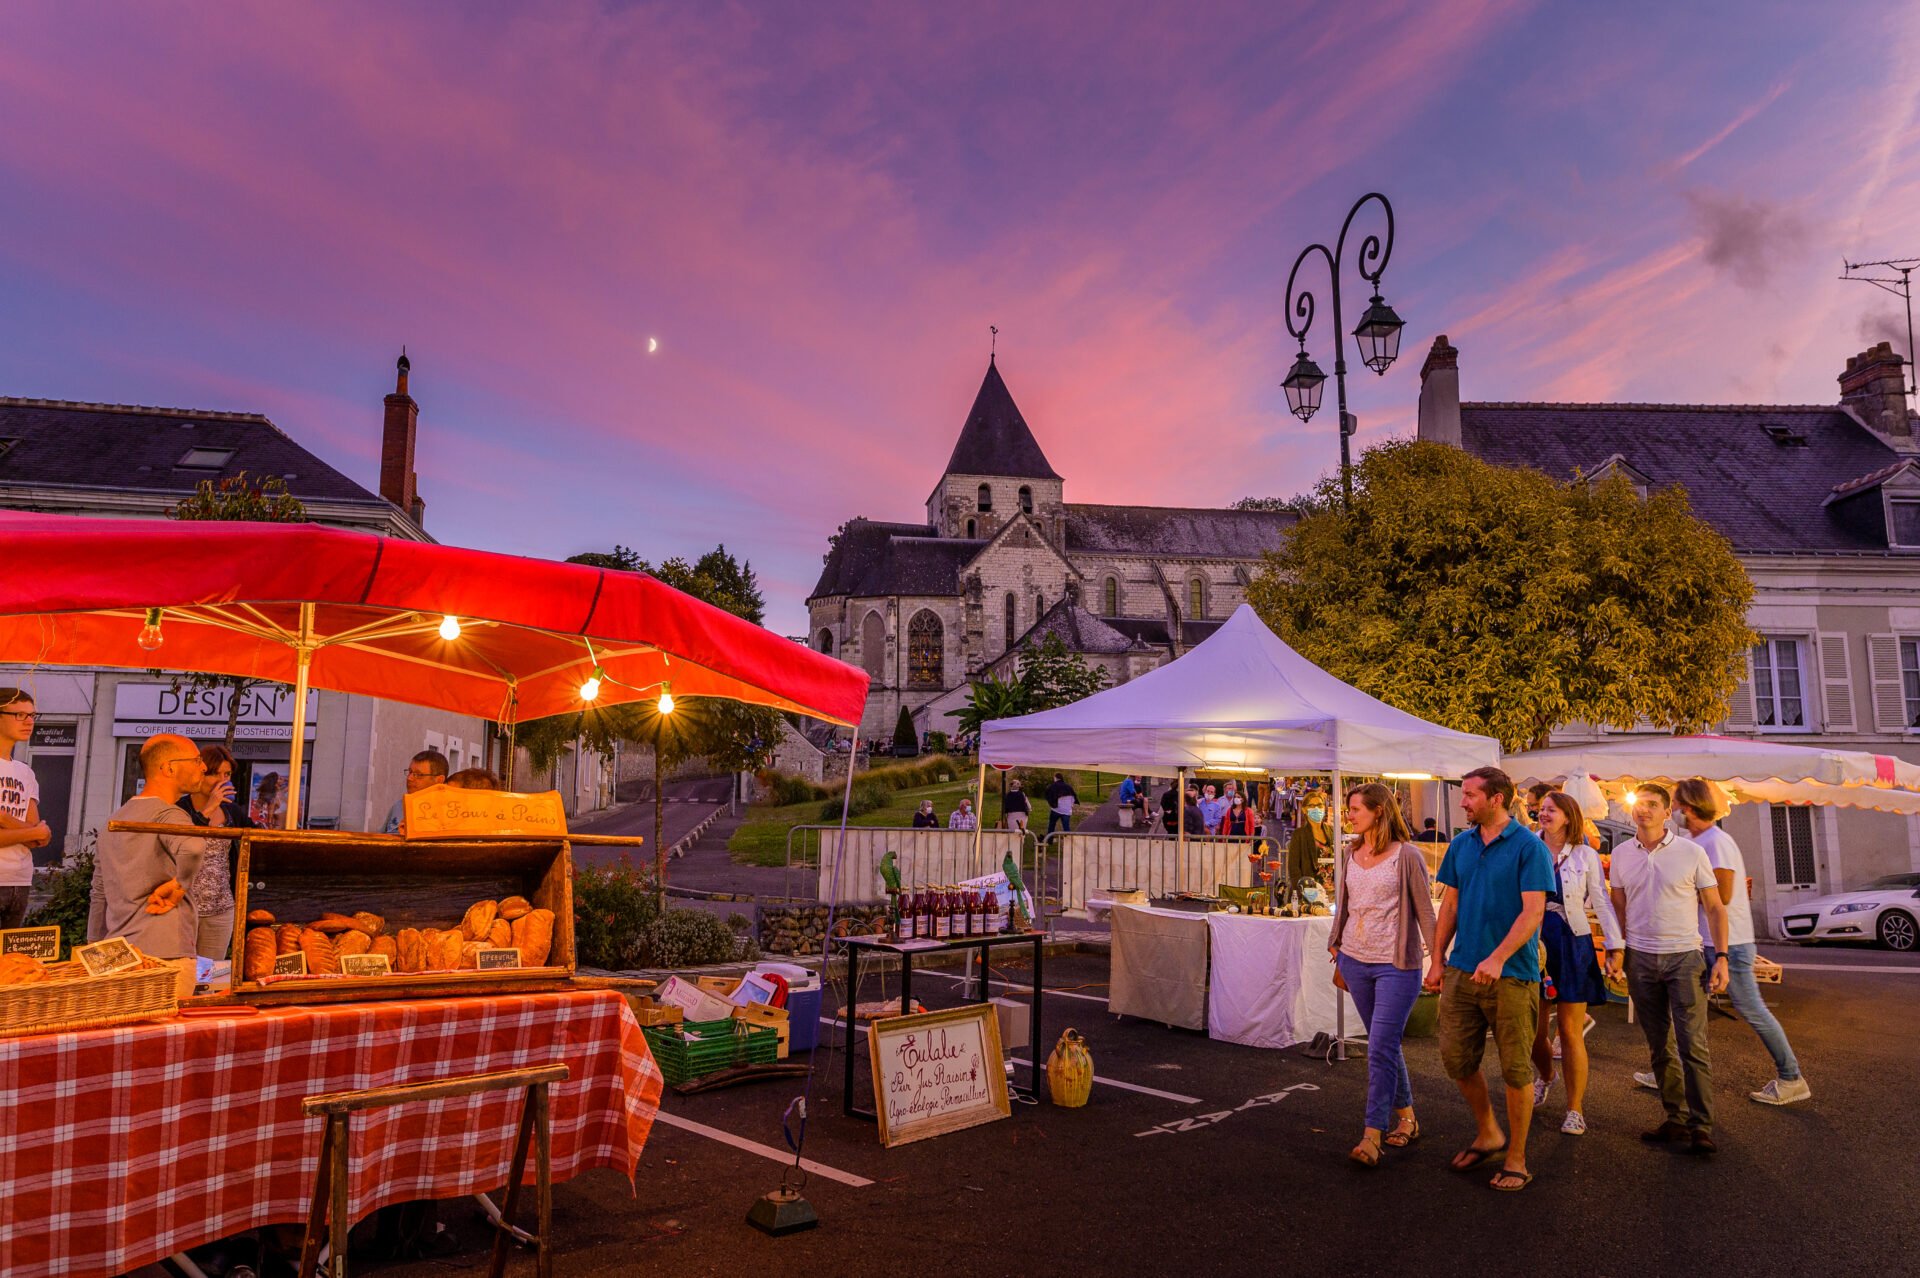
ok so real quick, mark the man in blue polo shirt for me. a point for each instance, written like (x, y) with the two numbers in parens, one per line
(1497, 874)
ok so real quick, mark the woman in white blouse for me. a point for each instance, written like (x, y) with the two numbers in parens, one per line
(1567, 937)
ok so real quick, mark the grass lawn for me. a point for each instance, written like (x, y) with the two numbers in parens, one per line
(762, 839)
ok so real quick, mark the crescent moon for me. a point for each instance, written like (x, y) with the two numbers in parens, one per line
(653, 344)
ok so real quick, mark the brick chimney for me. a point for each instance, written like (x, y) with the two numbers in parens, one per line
(1874, 389)
(1440, 394)
(398, 483)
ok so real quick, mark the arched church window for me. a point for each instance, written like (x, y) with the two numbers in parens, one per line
(1113, 597)
(826, 642)
(1039, 607)
(873, 645)
(984, 501)
(970, 533)
(1196, 599)
(1013, 607)
(1026, 500)
(926, 660)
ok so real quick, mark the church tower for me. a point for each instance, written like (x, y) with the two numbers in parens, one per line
(996, 471)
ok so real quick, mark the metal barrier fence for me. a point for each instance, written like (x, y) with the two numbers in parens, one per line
(1081, 866)
(924, 856)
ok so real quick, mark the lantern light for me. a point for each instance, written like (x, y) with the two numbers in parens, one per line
(591, 688)
(1303, 384)
(1379, 334)
(666, 699)
(449, 628)
(150, 637)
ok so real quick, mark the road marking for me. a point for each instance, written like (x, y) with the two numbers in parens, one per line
(1200, 1121)
(1131, 1087)
(765, 1151)
(1849, 967)
(1010, 985)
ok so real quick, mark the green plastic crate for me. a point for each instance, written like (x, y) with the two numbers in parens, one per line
(707, 1047)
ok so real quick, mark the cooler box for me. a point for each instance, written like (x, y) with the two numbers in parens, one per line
(803, 1004)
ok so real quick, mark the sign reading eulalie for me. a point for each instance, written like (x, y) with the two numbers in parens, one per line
(449, 812)
(937, 1072)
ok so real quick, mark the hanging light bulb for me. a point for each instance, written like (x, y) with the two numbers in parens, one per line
(150, 637)
(449, 628)
(591, 688)
(666, 699)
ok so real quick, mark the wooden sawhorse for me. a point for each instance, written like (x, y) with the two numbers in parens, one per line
(330, 1180)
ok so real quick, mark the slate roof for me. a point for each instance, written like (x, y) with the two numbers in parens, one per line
(1153, 631)
(874, 558)
(1764, 496)
(125, 446)
(1174, 530)
(1080, 630)
(995, 439)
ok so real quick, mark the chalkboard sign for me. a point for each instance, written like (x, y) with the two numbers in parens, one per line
(42, 943)
(488, 960)
(365, 965)
(937, 1072)
(294, 964)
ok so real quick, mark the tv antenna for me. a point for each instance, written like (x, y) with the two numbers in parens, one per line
(1901, 287)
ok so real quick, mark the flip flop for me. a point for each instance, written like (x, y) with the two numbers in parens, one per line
(1478, 1156)
(1525, 1179)
(1397, 1139)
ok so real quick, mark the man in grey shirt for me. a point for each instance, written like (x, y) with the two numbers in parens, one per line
(138, 879)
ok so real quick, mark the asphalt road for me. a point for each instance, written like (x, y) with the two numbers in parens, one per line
(688, 803)
(1234, 1161)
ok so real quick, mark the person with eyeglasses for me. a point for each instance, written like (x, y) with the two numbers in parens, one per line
(139, 879)
(428, 768)
(21, 829)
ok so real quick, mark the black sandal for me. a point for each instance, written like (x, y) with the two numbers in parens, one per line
(1355, 1157)
(1398, 1139)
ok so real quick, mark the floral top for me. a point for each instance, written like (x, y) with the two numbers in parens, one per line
(1372, 934)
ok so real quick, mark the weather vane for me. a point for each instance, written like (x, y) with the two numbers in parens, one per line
(993, 342)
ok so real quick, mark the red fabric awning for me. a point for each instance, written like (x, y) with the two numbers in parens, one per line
(73, 593)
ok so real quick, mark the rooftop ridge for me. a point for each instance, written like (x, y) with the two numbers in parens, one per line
(1196, 510)
(144, 410)
(1644, 407)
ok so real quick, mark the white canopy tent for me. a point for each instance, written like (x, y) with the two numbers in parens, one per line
(1241, 701)
(1750, 771)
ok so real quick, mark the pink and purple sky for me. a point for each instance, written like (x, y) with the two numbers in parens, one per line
(819, 209)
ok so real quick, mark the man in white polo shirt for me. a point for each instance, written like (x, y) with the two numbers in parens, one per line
(1660, 882)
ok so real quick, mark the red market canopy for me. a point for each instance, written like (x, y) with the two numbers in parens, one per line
(353, 612)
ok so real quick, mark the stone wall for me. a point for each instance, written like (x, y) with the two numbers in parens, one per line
(801, 929)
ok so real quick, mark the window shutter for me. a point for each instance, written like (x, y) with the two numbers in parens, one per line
(1889, 696)
(1740, 703)
(1836, 682)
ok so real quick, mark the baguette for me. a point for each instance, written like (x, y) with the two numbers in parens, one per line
(533, 937)
(263, 946)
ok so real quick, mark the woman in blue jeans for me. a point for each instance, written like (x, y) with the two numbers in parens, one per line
(1382, 926)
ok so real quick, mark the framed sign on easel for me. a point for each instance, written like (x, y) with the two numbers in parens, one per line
(937, 1072)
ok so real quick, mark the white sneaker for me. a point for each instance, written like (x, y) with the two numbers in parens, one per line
(1574, 1124)
(1541, 1086)
(1782, 1091)
(1645, 1078)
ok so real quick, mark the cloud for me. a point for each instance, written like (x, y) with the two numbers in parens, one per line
(1883, 326)
(1772, 95)
(1745, 238)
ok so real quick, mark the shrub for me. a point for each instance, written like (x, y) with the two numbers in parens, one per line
(613, 912)
(870, 794)
(690, 938)
(72, 889)
(783, 788)
(936, 742)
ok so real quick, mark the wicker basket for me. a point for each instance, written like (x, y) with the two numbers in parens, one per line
(71, 1000)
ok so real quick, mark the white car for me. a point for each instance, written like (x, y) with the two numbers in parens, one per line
(1886, 910)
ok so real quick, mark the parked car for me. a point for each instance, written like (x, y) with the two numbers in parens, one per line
(1886, 910)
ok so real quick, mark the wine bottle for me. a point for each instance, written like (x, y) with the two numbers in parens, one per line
(942, 917)
(903, 913)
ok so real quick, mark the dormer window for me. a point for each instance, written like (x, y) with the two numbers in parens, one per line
(1903, 522)
(1619, 465)
(1026, 500)
(984, 501)
(1784, 436)
(205, 458)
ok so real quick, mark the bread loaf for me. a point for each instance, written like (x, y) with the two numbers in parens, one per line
(388, 946)
(479, 920)
(443, 954)
(21, 969)
(515, 907)
(263, 946)
(260, 916)
(322, 958)
(371, 924)
(333, 924)
(287, 939)
(500, 934)
(533, 937)
(352, 943)
(412, 951)
(470, 954)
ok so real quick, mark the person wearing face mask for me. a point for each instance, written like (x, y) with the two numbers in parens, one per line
(1211, 810)
(925, 818)
(1313, 840)
(1240, 821)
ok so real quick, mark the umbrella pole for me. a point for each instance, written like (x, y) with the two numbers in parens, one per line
(979, 815)
(303, 658)
(1337, 809)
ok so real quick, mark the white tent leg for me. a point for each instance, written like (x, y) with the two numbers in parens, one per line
(1337, 808)
(303, 656)
(979, 822)
(1180, 847)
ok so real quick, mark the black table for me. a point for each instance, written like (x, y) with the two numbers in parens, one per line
(857, 946)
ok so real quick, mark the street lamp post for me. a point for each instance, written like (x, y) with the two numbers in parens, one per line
(1377, 335)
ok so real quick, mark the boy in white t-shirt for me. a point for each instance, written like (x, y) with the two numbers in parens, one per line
(21, 829)
(1700, 805)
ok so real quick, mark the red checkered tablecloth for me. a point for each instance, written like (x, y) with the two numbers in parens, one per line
(119, 1146)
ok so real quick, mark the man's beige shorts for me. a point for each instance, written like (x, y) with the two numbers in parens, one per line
(1511, 1007)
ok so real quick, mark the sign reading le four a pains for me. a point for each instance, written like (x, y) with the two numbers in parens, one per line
(266, 711)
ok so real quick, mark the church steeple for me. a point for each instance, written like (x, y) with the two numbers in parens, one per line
(995, 439)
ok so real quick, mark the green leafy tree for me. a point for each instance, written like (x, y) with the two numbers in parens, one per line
(1494, 600)
(1303, 504)
(237, 499)
(988, 699)
(1050, 675)
(905, 739)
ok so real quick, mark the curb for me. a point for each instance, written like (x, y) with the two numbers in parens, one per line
(693, 836)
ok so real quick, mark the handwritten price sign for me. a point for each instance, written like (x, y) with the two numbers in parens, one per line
(448, 812)
(936, 1072)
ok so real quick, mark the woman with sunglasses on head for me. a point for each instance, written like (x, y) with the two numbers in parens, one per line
(1382, 927)
(211, 803)
(21, 829)
(1567, 936)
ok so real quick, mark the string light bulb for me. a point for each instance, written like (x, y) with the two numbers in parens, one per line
(590, 690)
(666, 699)
(449, 628)
(150, 637)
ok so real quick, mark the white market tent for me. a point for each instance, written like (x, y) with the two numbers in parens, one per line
(1240, 700)
(1748, 770)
